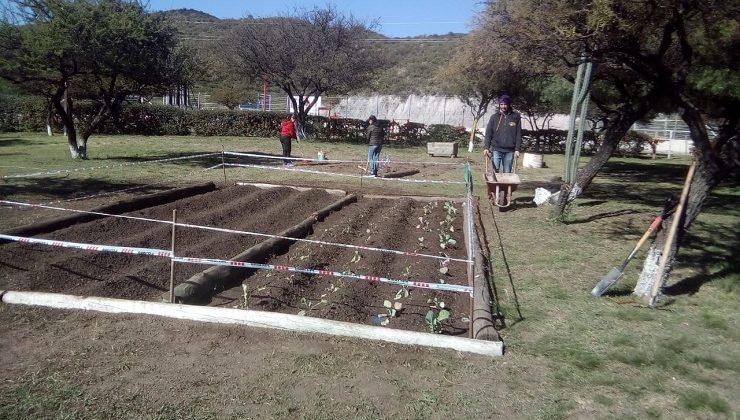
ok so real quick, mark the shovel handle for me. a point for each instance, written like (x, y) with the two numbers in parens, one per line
(653, 227)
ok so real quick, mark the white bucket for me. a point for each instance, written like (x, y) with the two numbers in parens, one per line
(532, 160)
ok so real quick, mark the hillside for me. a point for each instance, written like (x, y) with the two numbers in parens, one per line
(412, 64)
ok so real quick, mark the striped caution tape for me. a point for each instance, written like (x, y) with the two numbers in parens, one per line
(90, 247)
(281, 168)
(62, 171)
(372, 279)
(212, 261)
(387, 160)
(240, 232)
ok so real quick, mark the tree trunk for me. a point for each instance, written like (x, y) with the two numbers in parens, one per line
(585, 176)
(472, 133)
(63, 105)
(714, 161)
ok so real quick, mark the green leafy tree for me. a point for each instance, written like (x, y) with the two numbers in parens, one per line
(306, 55)
(99, 51)
(679, 55)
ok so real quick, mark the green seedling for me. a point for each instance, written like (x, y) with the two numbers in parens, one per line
(435, 318)
(449, 207)
(356, 258)
(246, 296)
(407, 272)
(436, 303)
(313, 304)
(392, 307)
(401, 293)
(444, 265)
(421, 241)
(445, 240)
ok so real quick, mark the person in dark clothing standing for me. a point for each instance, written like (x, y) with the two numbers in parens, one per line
(376, 137)
(503, 138)
(287, 133)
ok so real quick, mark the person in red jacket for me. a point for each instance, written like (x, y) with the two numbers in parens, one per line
(287, 133)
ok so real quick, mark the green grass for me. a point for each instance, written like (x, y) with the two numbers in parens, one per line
(568, 354)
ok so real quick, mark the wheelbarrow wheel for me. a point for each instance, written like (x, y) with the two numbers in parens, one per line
(501, 200)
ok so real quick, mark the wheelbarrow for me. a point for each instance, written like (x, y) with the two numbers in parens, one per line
(500, 186)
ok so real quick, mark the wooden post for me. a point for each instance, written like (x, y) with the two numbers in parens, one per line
(172, 261)
(671, 236)
(223, 162)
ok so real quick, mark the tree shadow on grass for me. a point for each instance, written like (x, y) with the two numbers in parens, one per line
(715, 252)
(66, 188)
(215, 158)
(645, 195)
(601, 216)
(639, 172)
(18, 142)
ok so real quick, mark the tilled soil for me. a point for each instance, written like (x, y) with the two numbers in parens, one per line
(382, 223)
(77, 272)
(378, 223)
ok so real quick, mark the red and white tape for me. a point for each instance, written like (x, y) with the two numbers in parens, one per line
(90, 247)
(372, 279)
(212, 261)
(240, 232)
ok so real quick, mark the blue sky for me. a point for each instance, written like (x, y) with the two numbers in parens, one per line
(397, 18)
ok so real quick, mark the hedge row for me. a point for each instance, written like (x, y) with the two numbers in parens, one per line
(29, 114)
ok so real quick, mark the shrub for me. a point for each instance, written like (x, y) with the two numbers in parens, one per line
(447, 133)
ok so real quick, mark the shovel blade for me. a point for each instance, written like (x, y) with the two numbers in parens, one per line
(606, 282)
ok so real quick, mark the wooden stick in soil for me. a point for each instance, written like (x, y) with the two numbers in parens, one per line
(223, 162)
(172, 261)
(677, 219)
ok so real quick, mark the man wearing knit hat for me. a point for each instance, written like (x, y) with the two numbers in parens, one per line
(503, 138)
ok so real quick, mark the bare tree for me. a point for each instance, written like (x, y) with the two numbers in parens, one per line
(306, 55)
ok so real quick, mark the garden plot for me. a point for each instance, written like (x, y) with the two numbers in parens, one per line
(71, 271)
(434, 228)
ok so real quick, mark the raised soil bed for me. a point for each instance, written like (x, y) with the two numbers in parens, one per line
(394, 224)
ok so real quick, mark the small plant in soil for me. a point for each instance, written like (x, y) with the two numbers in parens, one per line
(406, 272)
(436, 315)
(356, 258)
(444, 265)
(423, 224)
(322, 301)
(429, 207)
(401, 293)
(246, 296)
(393, 308)
(445, 240)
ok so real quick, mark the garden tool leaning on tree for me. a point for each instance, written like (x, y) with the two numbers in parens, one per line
(616, 273)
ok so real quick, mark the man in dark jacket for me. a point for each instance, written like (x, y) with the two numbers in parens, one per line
(375, 136)
(503, 138)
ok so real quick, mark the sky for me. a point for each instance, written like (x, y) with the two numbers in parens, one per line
(396, 18)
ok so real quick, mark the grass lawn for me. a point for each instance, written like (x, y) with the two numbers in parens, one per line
(568, 354)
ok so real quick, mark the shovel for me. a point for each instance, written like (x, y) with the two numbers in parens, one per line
(612, 276)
